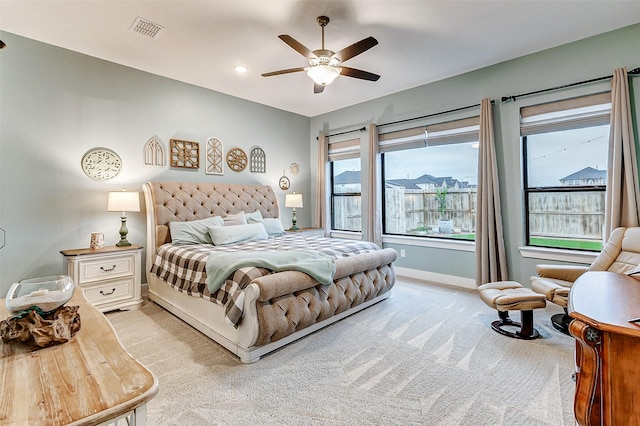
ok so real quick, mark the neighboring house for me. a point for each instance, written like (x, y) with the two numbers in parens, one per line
(350, 180)
(586, 176)
(429, 183)
(347, 182)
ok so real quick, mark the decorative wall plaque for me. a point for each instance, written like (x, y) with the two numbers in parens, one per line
(295, 169)
(258, 160)
(101, 164)
(185, 154)
(214, 164)
(284, 182)
(154, 152)
(236, 159)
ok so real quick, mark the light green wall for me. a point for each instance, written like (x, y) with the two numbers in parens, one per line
(582, 60)
(56, 104)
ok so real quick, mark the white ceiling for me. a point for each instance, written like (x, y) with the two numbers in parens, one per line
(419, 41)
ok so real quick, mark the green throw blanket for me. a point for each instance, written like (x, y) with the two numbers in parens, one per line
(317, 265)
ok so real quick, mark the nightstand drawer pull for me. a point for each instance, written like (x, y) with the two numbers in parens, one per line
(113, 290)
(102, 268)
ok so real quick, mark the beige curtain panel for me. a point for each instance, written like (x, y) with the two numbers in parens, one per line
(491, 260)
(374, 204)
(622, 171)
(320, 217)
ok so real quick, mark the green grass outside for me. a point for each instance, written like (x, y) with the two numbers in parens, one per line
(536, 241)
(565, 243)
(466, 237)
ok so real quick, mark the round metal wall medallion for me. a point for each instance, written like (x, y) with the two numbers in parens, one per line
(236, 159)
(101, 164)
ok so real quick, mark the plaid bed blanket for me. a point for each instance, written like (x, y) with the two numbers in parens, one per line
(184, 267)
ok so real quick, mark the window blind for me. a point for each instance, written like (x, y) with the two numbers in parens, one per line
(450, 132)
(574, 113)
(402, 139)
(456, 131)
(344, 150)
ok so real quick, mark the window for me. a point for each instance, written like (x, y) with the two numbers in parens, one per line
(565, 152)
(346, 200)
(430, 180)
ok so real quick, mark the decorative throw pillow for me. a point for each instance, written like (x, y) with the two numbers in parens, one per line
(224, 235)
(253, 217)
(235, 219)
(273, 226)
(193, 231)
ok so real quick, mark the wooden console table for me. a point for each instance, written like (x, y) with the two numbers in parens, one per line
(89, 380)
(607, 348)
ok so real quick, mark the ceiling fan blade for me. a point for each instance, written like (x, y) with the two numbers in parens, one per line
(297, 46)
(287, 71)
(318, 88)
(356, 48)
(363, 75)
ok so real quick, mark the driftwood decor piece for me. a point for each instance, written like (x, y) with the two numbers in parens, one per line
(214, 164)
(50, 329)
(185, 154)
(236, 159)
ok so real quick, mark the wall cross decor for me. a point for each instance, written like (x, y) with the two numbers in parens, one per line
(185, 154)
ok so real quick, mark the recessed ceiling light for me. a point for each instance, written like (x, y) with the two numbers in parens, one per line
(240, 69)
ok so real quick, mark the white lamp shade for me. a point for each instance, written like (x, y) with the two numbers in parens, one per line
(323, 74)
(122, 201)
(293, 200)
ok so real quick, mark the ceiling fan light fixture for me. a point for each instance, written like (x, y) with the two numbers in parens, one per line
(323, 74)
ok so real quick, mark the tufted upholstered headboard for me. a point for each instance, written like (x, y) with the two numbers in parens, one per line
(183, 201)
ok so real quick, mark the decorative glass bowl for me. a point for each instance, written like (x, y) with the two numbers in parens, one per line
(45, 293)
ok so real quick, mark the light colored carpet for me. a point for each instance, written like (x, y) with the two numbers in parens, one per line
(425, 356)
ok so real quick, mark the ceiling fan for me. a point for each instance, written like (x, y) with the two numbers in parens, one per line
(324, 65)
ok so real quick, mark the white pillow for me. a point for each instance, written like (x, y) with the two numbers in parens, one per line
(272, 225)
(193, 231)
(253, 217)
(235, 219)
(224, 235)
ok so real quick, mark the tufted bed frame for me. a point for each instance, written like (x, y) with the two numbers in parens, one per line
(278, 308)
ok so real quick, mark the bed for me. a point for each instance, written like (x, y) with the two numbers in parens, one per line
(258, 310)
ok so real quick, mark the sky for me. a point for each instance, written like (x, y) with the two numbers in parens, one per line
(552, 156)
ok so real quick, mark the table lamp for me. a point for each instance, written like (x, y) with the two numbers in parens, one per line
(122, 201)
(294, 201)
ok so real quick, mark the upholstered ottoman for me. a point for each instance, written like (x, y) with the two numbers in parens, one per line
(505, 296)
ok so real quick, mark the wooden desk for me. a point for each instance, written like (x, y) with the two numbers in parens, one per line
(86, 381)
(607, 348)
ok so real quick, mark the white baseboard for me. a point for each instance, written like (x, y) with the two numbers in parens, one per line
(434, 277)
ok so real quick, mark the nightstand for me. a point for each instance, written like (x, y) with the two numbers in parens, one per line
(110, 276)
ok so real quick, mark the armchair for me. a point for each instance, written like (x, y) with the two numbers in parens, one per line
(620, 254)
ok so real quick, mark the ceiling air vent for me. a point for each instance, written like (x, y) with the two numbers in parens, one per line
(146, 27)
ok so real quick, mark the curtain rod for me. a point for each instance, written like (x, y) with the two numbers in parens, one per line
(431, 115)
(634, 71)
(362, 129)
